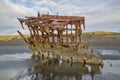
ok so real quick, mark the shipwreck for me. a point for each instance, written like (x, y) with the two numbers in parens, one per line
(59, 37)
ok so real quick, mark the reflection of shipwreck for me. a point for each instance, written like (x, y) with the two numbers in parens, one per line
(77, 71)
(60, 35)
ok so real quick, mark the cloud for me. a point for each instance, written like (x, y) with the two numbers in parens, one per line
(8, 16)
(99, 14)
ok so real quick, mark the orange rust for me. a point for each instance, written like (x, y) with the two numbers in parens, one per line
(63, 30)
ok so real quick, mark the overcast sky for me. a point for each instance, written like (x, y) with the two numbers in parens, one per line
(101, 15)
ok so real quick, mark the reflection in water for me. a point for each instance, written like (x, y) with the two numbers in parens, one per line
(94, 70)
(61, 72)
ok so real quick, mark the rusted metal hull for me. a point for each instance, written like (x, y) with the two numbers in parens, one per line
(60, 35)
(67, 54)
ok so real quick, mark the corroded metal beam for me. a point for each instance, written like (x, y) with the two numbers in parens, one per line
(55, 26)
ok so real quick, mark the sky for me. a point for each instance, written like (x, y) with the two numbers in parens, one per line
(100, 15)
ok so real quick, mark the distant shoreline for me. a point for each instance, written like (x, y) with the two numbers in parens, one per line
(98, 38)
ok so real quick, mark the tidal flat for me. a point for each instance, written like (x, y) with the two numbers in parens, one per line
(16, 62)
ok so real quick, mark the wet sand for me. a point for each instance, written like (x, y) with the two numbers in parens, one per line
(109, 44)
(102, 40)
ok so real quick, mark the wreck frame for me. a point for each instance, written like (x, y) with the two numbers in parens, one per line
(57, 33)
